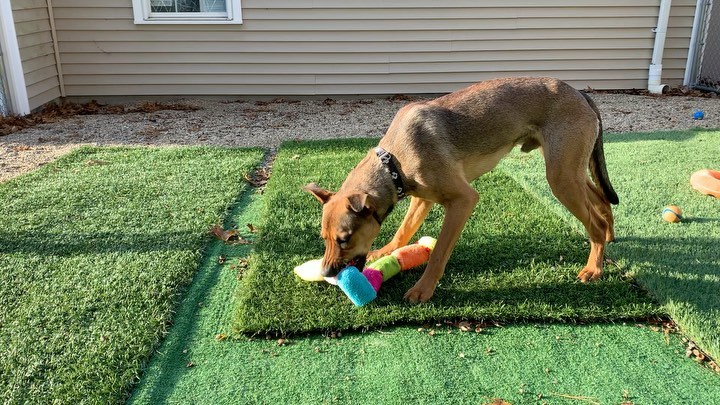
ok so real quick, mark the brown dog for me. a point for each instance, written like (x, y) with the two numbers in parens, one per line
(432, 151)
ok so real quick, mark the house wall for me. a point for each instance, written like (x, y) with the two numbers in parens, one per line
(326, 47)
(32, 25)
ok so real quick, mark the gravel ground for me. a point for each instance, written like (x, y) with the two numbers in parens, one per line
(267, 124)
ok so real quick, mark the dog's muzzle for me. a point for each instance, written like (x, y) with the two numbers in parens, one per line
(332, 269)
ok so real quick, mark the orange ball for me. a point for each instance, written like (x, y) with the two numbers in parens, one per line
(672, 213)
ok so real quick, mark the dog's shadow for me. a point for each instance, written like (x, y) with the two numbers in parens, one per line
(487, 277)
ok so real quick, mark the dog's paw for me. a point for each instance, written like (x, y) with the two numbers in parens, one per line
(589, 274)
(420, 292)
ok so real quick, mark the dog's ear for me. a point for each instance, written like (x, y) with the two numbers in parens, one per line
(358, 202)
(362, 203)
(322, 195)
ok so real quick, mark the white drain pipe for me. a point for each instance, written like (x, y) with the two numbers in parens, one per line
(655, 73)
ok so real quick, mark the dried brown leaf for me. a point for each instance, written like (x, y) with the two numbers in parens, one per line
(227, 235)
(20, 148)
(464, 326)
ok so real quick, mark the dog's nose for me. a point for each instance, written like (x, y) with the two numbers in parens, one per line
(331, 269)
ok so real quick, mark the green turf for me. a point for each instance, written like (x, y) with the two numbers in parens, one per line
(515, 261)
(607, 364)
(95, 250)
(678, 263)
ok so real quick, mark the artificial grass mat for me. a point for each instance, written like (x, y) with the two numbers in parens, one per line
(95, 250)
(516, 260)
(526, 363)
(678, 263)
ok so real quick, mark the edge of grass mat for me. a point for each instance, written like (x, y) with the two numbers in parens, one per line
(98, 247)
(496, 272)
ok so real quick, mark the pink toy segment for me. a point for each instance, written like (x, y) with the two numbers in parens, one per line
(375, 278)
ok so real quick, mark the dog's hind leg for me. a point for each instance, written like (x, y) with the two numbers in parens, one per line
(570, 184)
(603, 206)
(416, 214)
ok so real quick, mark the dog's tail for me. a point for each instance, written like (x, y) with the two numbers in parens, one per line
(598, 170)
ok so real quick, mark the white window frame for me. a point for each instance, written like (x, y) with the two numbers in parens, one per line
(143, 15)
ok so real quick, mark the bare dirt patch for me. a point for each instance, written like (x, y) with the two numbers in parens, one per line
(29, 142)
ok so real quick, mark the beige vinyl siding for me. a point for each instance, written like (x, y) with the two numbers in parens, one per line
(324, 47)
(32, 25)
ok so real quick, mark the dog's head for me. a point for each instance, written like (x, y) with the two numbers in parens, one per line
(349, 226)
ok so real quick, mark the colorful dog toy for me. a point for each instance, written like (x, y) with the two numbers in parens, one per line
(362, 287)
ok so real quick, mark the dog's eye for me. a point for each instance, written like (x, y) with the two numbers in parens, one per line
(343, 242)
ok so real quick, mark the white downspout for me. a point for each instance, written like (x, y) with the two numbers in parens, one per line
(655, 73)
(14, 69)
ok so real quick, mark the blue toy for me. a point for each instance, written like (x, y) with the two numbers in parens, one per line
(356, 286)
(699, 114)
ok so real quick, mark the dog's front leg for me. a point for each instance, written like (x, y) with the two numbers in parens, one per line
(416, 214)
(457, 211)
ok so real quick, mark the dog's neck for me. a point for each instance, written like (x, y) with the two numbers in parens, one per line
(371, 177)
(389, 163)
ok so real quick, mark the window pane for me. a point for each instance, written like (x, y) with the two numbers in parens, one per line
(188, 6)
(215, 6)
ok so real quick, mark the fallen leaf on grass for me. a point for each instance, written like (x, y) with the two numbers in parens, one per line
(693, 351)
(222, 234)
(95, 162)
(229, 235)
(259, 177)
(252, 228)
(240, 266)
(220, 337)
(464, 326)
